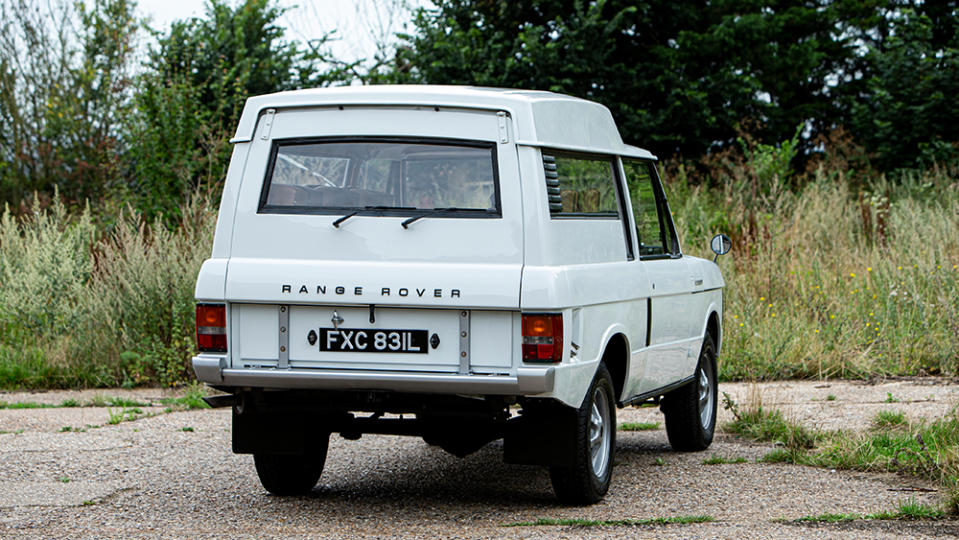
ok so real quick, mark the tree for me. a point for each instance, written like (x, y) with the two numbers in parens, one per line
(64, 80)
(188, 102)
(899, 98)
(678, 76)
(683, 77)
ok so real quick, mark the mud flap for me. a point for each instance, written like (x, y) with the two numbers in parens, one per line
(546, 437)
(276, 433)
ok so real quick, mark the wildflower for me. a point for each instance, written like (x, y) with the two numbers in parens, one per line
(870, 314)
(898, 268)
(774, 314)
(852, 274)
(735, 316)
(762, 298)
(832, 316)
(867, 324)
(769, 305)
(741, 324)
(817, 330)
(868, 269)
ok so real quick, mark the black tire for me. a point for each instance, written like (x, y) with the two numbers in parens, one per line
(587, 479)
(691, 410)
(283, 474)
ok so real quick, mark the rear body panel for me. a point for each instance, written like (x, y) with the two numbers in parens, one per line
(257, 328)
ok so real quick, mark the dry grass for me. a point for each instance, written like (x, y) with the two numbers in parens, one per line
(828, 277)
(827, 282)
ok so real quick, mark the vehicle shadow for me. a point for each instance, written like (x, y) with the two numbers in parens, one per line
(403, 472)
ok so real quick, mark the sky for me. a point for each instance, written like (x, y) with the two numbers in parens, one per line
(359, 24)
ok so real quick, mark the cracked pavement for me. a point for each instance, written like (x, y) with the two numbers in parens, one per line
(150, 478)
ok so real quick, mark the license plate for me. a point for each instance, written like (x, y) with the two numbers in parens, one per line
(374, 341)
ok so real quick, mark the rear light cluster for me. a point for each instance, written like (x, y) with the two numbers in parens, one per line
(542, 337)
(211, 327)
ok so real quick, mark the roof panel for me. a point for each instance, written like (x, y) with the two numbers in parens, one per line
(539, 118)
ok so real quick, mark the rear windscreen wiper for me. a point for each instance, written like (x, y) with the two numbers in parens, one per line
(365, 208)
(433, 212)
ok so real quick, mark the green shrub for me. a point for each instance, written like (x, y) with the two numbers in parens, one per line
(80, 311)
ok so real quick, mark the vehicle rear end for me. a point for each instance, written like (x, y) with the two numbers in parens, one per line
(369, 248)
(366, 279)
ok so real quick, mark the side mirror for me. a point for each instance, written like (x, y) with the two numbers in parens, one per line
(720, 244)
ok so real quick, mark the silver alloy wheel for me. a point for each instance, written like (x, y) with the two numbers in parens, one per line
(599, 432)
(706, 398)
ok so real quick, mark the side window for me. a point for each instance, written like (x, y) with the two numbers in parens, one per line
(654, 226)
(580, 186)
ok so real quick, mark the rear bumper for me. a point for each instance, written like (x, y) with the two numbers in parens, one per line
(528, 381)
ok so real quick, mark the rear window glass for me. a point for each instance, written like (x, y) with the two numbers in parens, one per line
(381, 176)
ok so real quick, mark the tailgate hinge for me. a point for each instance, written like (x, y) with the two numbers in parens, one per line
(267, 123)
(503, 128)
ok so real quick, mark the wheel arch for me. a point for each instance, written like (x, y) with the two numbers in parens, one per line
(714, 329)
(616, 358)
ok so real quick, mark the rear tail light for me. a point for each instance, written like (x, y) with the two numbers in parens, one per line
(542, 337)
(211, 327)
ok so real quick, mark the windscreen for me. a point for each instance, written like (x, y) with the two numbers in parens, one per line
(380, 176)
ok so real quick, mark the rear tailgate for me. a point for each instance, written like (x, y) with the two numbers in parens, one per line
(418, 279)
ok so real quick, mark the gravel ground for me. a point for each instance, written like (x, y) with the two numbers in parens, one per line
(150, 478)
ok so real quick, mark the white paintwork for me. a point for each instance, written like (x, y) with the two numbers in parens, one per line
(256, 333)
(563, 121)
(523, 261)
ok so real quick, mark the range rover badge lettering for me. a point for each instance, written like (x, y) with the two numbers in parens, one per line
(336, 320)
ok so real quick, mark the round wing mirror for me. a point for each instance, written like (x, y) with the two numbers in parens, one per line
(721, 244)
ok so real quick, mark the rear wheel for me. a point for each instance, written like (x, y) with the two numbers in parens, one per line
(587, 479)
(691, 410)
(283, 474)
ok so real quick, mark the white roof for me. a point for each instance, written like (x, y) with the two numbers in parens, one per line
(539, 118)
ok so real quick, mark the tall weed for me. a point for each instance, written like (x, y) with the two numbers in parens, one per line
(81, 310)
(828, 277)
(825, 281)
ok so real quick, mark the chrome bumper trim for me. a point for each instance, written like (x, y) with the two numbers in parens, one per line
(528, 381)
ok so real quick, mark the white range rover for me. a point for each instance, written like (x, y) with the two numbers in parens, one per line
(459, 264)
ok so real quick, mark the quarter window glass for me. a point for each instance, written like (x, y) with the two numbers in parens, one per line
(652, 220)
(587, 187)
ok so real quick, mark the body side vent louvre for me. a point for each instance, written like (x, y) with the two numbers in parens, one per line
(552, 184)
